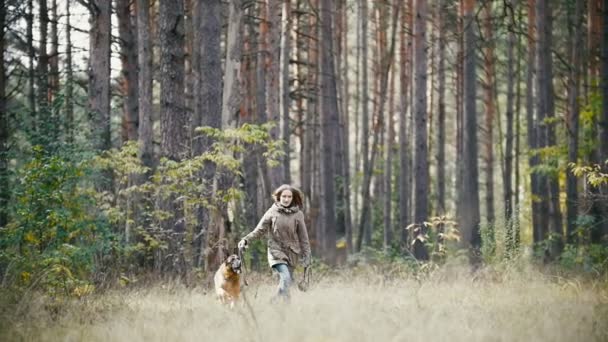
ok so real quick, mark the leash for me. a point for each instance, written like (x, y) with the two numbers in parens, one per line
(240, 253)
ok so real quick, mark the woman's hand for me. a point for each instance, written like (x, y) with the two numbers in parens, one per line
(242, 244)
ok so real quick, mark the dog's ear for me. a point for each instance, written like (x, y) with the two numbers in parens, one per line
(229, 259)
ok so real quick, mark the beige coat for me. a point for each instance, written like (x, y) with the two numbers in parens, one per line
(286, 233)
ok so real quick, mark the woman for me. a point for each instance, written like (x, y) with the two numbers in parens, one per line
(288, 243)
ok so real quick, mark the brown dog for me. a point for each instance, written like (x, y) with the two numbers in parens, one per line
(228, 281)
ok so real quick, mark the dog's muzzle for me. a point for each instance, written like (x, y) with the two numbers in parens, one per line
(236, 265)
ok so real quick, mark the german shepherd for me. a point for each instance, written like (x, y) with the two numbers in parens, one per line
(227, 280)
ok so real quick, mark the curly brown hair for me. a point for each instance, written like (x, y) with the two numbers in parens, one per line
(298, 197)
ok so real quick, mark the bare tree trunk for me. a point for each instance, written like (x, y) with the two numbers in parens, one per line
(273, 66)
(508, 167)
(468, 210)
(404, 159)
(4, 132)
(31, 52)
(390, 151)
(208, 113)
(284, 87)
(546, 113)
(364, 223)
(144, 58)
(490, 111)
(441, 175)
(532, 127)
(329, 125)
(99, 73)
(69, 83)
(54, 126)
(421, 168)
(44, 119)
(232, 97)
(603, 124)
(515, 221)
(127, 30)
(572, 122)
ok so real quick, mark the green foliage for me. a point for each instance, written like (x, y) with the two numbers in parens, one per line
(588, 258)
(53, 236)
(593, 173)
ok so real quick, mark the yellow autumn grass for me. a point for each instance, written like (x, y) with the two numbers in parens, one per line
(374, 304)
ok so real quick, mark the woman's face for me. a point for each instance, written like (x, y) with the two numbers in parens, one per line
(286, 198)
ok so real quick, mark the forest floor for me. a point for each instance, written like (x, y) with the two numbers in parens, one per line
(378, 304)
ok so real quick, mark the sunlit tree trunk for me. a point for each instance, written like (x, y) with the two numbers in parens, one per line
(127, 31)
(284, 88)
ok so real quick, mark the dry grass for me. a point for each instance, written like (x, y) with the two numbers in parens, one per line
(448, 305)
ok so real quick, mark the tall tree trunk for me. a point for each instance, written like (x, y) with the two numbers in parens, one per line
(441, 175)
(390, 151)
(421, 168)
(54, 74)
(468, 209)
(284, 87)
(31, 53)
(329, 125)
(99, 73)
(508, 167)
(273, 67)
(232, 97)
(532, 126)
(4, 184)
(490, 111)
(43, 74)
(174, 117)
(69, 83)
(144, 60)
(127, 31)
(603, 124)
(404, 159)
(515, 220)
(572, 122)
(208, 113)
(546, 113)
(365, 222)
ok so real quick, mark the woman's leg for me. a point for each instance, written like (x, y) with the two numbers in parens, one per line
(284, 279)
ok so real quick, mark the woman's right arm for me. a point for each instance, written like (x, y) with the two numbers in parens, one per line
(261, 228)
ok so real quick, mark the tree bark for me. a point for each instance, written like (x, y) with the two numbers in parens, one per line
(532, 126)
(329, 125)
(404, 158)
(69, 83)
(273, 66)
(54, 126)
(42, 74)
(546, 114)
(31, 52)
(284, 97)
(144, 60)
(468, 209)
(572, 122)
(490, 108)
(364, 223)
(441, 175)
(508, 166)
(421, 168)
(127, 31)
(4, 132)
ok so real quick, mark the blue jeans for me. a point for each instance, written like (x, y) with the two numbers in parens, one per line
(285, 279)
